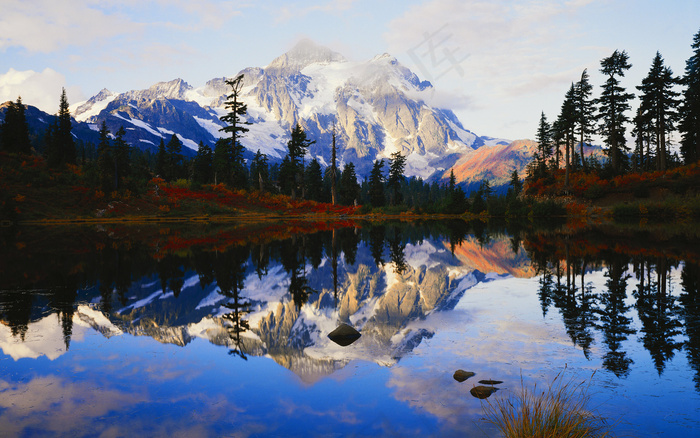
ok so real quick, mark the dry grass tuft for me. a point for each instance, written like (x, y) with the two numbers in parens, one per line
(559, 411)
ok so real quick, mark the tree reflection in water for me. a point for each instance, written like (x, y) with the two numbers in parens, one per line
(108, 268)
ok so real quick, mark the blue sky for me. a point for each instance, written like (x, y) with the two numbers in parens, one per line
(496, 63)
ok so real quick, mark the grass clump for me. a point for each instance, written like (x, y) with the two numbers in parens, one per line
(558, 411)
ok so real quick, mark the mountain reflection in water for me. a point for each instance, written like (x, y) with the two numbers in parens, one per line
(277, 293)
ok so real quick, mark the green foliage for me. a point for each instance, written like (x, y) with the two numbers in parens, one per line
(202, 168)
(397, 163)
(14, 131)
(549, 208)
(297, 146)
(60, 148)
(376, 185)
(657, 110)
(613, 104)
(690, 110)
(313, 179)
(259, 172)
(349, 189)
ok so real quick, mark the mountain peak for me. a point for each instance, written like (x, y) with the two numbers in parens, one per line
(304, 53)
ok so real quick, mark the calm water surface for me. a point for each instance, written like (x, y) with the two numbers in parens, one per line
(223, 331)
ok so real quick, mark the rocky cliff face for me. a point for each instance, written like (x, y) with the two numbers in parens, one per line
(376, 107)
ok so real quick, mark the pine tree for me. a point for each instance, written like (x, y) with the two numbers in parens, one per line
(313, 178)
(643, 132)
(121, 156)
(65, 147)
(334, 169)
(349, 189)
(544, 147)
(376, 184)
(690, 110)
(516, 186)
(397, 163)
(565, 126)
(259, 172)
(297, 146)
(658, 104)
(222, 161)
(585, 111)
(174, 159)
(105, 163)
(202, 166)
(613, 103)
(14, 132)
(237, 128)
(161, 160)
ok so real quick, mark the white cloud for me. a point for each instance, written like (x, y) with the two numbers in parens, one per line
(47, 25)
(42, 89)
(495, 44)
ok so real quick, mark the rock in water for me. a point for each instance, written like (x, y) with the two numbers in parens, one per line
(490, 382)
(483, 392)
(344, 335)
(461, 375)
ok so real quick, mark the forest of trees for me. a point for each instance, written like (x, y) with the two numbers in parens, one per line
(668, 104)
(113, 166)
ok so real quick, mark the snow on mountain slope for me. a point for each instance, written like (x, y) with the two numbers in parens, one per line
(376, 108)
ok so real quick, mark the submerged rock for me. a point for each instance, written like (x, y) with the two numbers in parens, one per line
(344, 335)
(482, 392)
(490, 382)
(461, 375)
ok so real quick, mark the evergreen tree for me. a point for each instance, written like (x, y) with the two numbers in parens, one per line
(259, 172)
(643, 132)
(544, 147)
(397, 163)
(222, 161)
(60, 148)
(313, 178)
(376, 184)
(690, 111)
(202, 167)
(297, 146)
(334, 169)
(236, 127)
(585, 110)
(613, 103)
(121, 156)
(161, 160)
(287, 176)
(174, 159)
(14, 132)
(516, 186)
(349, 189)
(105, 163)
(565, 126)
(658, 104)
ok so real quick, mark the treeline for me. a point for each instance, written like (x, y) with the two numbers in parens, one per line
(113, 166)
(667, 104)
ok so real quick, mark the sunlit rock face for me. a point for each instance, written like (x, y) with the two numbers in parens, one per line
(376, 107)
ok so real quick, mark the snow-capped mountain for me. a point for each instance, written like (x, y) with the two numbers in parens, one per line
(377, 107)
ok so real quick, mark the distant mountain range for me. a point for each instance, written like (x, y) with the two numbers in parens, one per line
(377, 107)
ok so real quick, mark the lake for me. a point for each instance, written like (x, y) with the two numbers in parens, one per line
(223, 329)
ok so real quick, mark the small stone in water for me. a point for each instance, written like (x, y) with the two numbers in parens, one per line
(344, 335)
(461, 375)
(490, 382)
(482, 392)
